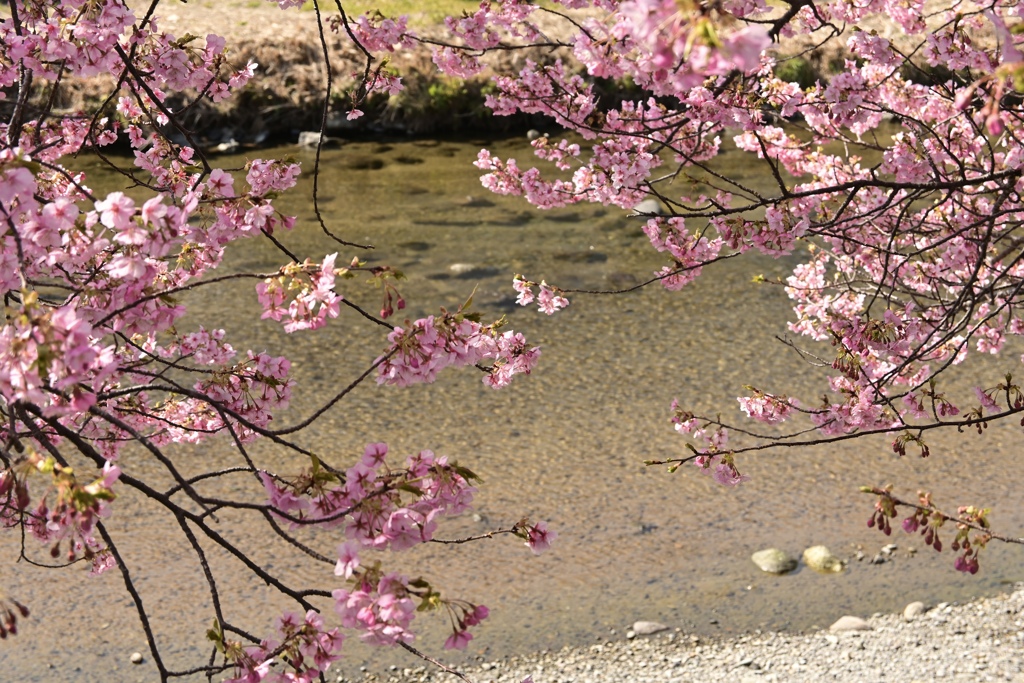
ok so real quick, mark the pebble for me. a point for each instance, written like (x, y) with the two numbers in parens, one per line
(774, 561)
(848, 623)
(136, 658)
(914, 609)
(980, 641)
(648, 628)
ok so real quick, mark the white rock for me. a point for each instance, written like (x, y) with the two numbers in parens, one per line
(848, 623)
(647, 628)
(136, 658)
(227, 147)
(914, 609)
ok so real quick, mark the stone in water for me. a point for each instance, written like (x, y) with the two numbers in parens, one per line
(774, 561)
(820, 559)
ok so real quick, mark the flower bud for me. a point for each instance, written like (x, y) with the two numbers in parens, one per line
(21, 496)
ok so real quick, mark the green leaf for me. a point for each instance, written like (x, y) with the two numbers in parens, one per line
(409, 488)
(465, 472)
(469, 301)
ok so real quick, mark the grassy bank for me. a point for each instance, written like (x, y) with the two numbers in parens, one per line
(287, 96)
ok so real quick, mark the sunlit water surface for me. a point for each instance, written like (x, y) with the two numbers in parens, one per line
(566, 444)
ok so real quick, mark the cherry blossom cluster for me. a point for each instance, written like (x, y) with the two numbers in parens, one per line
(549, 299)
(66, 511)
(305, 648)
(376, 506)
(766, 408)
(689, 251)
(383, 508)
(429, 345)
(709, 447)
(311, 299)
(382, 606)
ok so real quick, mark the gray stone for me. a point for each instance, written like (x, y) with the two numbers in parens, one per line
(774, 561)
(848, 623)
(311, 138)
(226, 147)
(914, 609)
(647, 628)
(820, 559)
(532, 134)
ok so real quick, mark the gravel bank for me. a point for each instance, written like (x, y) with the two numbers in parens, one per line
(979, 641)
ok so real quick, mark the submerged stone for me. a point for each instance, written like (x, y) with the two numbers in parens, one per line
(820, 559)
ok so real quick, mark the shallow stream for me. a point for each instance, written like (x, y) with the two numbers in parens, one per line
(566, 444)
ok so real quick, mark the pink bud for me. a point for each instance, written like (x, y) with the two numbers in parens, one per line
(963, 98)
(21, 495)
(994, 124)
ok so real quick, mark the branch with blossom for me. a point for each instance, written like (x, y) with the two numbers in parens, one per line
(896, 180)
(98, 355)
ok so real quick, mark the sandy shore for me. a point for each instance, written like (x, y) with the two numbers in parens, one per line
(978, 641)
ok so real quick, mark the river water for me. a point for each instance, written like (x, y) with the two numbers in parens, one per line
(566, 444)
